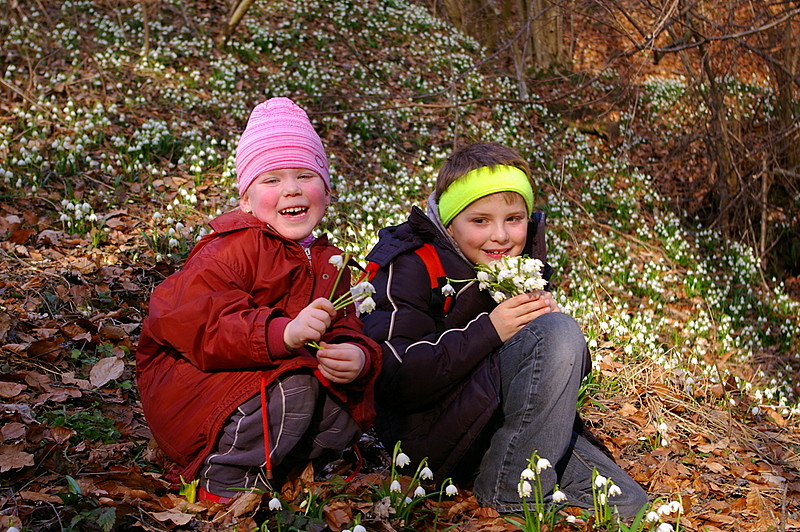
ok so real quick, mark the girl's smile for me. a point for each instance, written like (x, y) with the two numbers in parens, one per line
(291, 200)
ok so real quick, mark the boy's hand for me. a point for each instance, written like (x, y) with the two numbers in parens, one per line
(309, 324)
(341, 363)
(516, 312)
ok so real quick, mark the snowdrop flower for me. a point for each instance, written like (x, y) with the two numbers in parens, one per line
(528, 474)
(525, 489)
(367, 306)
(531, 265)
(542, 464)
(419, 492)
(448, 290)
(559, 496)
(407, 500)
(362, 290)
(664, 509)
(451, 490)
(337, 261)
(676, 506)
(483, 276)
(64, 218)
(395, 486)
(504, 274)
(651, 517)
(275, 504)
(499, 297)
(426, 473)
(602, 498)
(359, 528)
(402, 460)
(600, 481)
(173, 243)
(664, 527)
(614, 490)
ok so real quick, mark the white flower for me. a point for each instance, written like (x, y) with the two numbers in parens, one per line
(676, 506)
(559, 496)
(451, 490)
(362, 290)
(359, 528)
(366, 306)
(483, 276)
(275, 504)
(407, 500)
(528, 474)
(419, 492)
(664, 509)
(531, 265)
(337, 260)
(499, 297)
(602, 498)
(402, 460)
(651, 517)
(571, 519)
(524, 488)
(532, 283)
(502, 275)
(664, 527)
(448, 290)
(426, 473)
(600, 481)
(614, 490)
(395, 486)
(542, 464)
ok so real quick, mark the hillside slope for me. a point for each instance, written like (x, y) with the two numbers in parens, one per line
(116, 142)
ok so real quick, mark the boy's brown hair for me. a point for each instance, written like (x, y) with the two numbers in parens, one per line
(474, 156)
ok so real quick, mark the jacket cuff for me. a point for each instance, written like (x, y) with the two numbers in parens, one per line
(367, 364)
(275, 345)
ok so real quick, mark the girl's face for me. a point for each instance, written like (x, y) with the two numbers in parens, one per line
(491, 227)
(291, 200)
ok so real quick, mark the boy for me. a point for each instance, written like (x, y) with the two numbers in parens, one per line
(472, 385)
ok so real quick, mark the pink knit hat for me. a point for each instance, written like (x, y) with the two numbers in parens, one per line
(279, 135)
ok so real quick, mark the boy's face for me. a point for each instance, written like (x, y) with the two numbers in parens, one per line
(491, 227)
(291, 200)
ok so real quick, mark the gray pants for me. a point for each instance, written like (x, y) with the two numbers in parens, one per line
(541, 371)
(304, 423)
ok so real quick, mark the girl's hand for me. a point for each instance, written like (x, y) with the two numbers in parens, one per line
(309, 324)
(516, 312)
(341, 363)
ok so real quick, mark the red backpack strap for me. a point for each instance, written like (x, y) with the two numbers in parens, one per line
(370, 271)
(436, 274)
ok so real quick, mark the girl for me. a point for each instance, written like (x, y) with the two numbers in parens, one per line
(223, 358)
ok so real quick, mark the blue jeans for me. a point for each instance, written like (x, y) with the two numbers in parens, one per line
(541, 368)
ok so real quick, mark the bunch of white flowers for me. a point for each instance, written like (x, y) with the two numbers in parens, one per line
(511, 276)
(360, 294)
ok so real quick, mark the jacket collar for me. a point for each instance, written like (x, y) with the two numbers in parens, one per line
(237, 220)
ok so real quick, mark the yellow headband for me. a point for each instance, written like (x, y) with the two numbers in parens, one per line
(481, 182)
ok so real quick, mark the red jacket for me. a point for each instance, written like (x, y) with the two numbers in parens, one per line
(215, 328)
